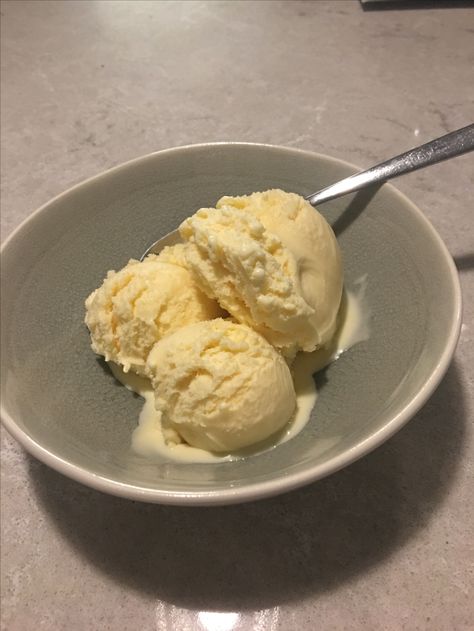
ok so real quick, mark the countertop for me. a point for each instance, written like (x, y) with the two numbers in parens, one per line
(87, 85)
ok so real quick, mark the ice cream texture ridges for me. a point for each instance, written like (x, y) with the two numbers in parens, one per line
(140, 304)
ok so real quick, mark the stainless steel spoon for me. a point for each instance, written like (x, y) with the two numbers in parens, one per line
(449, 146)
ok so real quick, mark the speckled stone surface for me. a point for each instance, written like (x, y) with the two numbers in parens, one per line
(386, 543)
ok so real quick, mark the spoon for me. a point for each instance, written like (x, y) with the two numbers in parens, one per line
(448, 146)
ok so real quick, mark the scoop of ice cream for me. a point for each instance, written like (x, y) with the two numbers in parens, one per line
(305, 233)
(220, 386)
(273, 262)
(140, 304)
(250, 273)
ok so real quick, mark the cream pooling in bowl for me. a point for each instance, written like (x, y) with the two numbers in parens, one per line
(149, 442)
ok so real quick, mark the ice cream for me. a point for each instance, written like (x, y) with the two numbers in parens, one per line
(220, 386)
(271, 265)
(272, 262)
(175, 254)
(138, 305)
(305, 233)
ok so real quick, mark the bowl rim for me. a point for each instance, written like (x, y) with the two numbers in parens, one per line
(275, 486)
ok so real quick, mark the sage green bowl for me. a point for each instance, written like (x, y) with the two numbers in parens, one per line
(64, 407)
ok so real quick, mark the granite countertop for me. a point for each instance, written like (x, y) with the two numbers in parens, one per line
(384, 544)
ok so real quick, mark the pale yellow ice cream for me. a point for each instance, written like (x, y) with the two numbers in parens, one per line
(220, 386)
(140, 304)
(305, 233)
(249, 272)
(272, 262)
(175, 254)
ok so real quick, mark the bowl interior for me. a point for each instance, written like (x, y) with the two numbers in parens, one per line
(64, 398)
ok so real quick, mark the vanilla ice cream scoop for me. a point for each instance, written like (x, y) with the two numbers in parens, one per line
(138, 305)
(272, 262)
(250, 273)
(305, 233)
(220, 386)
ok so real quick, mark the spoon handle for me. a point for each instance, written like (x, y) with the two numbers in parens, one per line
(449, 146)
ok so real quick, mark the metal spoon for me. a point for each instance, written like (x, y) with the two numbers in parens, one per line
(449, 146)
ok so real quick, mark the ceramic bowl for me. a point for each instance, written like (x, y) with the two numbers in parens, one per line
(64, 406)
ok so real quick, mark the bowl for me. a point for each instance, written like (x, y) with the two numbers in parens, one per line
(63, 405)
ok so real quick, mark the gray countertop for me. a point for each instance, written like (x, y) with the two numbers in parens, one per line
(384, 544)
